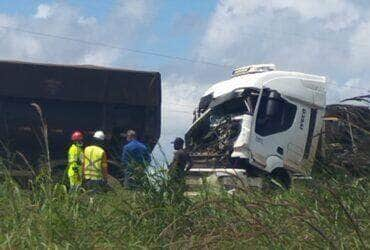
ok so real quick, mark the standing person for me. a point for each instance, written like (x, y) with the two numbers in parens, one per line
(180, 164)
(135, 158)
(75, 159)
(95, 167)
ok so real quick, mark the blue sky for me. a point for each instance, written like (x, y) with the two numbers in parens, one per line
(324, 37)
(166, 17)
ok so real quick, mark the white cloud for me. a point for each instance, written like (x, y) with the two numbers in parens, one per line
(43, 11)
(63, 19)
(6, 20)
(360, 47)
(318, 36)
(238, 25)
(351, 88)
(137, 10)
(87, 20)
(99, 57)
(180, 97)
(341, 10)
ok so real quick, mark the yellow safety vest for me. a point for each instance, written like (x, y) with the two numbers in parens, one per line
(93, 162)
(75, 156)
(75, 159)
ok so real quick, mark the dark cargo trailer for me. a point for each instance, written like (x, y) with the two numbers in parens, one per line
(71, 97)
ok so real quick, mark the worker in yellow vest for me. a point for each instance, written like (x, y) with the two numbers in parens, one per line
(95, 167)
(75, 159)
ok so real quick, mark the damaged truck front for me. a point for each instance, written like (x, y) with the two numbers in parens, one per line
(260, 119)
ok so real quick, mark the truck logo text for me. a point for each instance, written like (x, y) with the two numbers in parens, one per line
(301, 125)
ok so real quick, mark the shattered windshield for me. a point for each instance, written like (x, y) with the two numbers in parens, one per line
(237, 104)
(232, 107)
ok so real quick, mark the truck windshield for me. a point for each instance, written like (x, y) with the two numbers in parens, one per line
(232, 107)
(244, 104)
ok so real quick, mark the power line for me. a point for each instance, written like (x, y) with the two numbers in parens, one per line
(270, 31)
(101, 44)
(267, 31)
(146, 21)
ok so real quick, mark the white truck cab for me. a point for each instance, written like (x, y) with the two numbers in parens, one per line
(260, 117)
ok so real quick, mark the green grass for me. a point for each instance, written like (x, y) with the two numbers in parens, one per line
(321, 213)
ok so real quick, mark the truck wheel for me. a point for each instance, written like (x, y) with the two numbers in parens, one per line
(282, 177)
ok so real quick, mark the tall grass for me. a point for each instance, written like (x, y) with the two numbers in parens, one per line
(317, 214)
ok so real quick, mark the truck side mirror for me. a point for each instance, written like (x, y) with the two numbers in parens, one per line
(273, 105)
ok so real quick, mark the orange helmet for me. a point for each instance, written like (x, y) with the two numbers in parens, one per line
(77, 136)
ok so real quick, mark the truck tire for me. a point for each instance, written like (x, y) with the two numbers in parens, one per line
(282, 177)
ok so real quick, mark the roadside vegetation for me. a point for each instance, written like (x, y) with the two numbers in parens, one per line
(326, 212)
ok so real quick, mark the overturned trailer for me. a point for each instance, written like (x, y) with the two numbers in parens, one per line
(346, 138)
(83, 98)
(260, 119)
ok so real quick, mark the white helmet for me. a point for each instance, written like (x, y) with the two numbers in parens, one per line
(99, 135)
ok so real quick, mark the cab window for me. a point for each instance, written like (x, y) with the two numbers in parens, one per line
(275, 114)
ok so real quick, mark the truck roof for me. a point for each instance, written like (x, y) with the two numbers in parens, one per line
(257, 80)
(85, 83)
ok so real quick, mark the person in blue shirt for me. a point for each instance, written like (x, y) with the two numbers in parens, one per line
(135, 158)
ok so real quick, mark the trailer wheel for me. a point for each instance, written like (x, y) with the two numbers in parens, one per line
(281, 177)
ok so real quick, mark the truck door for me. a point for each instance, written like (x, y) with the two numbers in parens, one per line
(272, 131)
(298, 141)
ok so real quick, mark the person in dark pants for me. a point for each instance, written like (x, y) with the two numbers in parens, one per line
(177, 170)
(135, 158)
